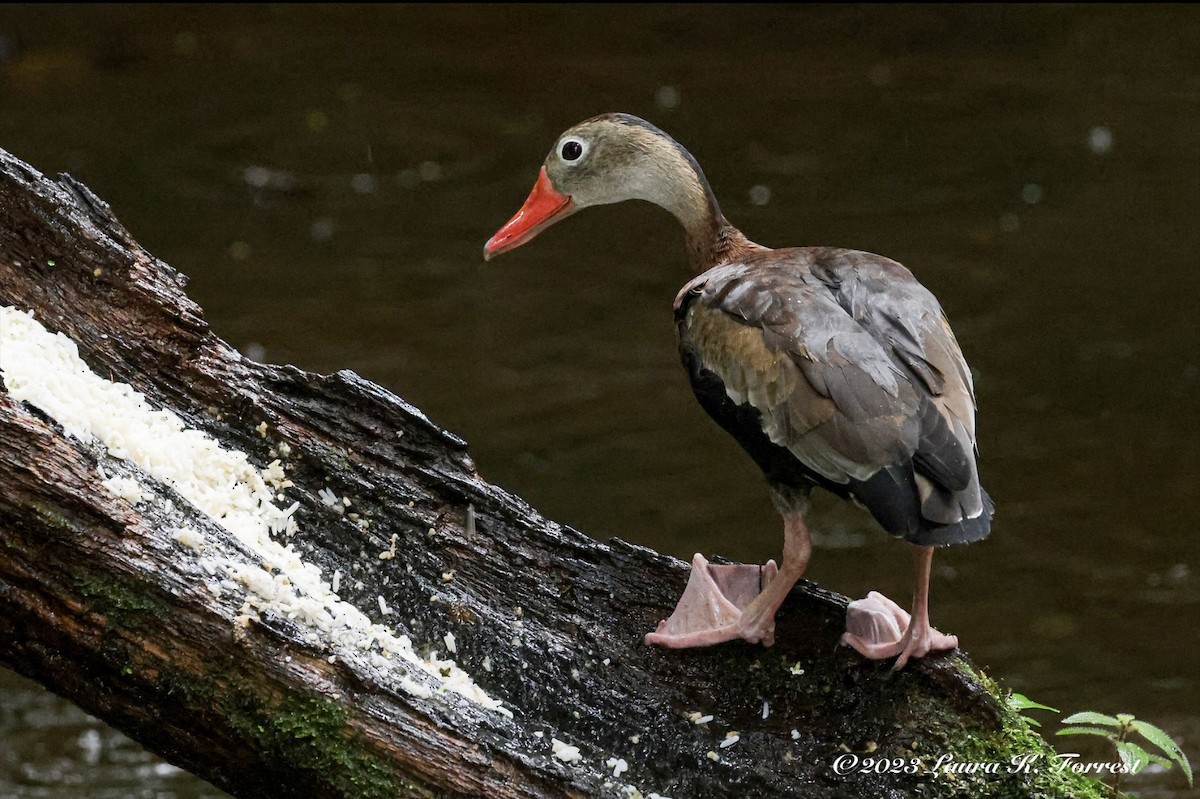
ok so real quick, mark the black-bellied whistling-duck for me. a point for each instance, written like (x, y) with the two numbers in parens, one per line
(832, 368)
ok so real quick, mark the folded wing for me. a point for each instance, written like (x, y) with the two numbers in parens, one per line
(853, 369)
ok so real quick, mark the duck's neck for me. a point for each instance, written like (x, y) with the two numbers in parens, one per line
(715, 243)
(681, 188)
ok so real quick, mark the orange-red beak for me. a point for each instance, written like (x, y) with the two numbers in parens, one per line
(542, 208)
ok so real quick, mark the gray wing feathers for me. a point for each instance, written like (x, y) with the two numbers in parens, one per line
(852, 365)
(887, 300)
(825, 388)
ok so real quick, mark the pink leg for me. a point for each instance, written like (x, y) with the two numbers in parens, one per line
(873, 624)
(722, 603)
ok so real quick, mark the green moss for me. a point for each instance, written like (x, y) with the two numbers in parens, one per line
(192, 691)
(53, 517)
(116, 598)
(300, 732)
(1015, 741)
(309, 733)
(910, 720)
(297, 732)
(127, 605)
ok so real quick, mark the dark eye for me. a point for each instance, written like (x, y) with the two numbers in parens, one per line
(572, 150)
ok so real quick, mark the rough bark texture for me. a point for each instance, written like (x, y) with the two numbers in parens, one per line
(100, 605)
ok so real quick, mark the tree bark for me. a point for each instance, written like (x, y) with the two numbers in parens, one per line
(101, 605)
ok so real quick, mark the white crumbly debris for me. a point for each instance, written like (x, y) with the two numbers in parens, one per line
(390, 552)
(635, 739)
(713, 756)
(657, 796)
(126, 488)
(285, 449)
(275, 476)
(262, 429)
(45, 370)
(487, 663)
(448, 576)
(796, 669)
(451, 644)
(618, 765)
(539, 734)
(766, 708)
(730, 739)
(193, 539)
(383, 606)
(606, 661)
(415, 688)
(565, 752)
(795, 735)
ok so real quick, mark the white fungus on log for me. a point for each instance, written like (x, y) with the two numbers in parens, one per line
(126, 488)
(45, 370)
(565, 752)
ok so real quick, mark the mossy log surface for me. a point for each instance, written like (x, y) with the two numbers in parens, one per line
(99, 604)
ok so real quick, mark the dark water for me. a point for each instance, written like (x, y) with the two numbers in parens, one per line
(327, 178)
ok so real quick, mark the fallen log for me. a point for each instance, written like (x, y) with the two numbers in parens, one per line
(298, 585)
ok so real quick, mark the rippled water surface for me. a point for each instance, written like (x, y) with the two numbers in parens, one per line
(327, 177)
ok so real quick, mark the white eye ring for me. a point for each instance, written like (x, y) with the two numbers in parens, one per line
(571, 150)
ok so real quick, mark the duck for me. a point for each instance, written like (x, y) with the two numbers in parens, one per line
(832, 368)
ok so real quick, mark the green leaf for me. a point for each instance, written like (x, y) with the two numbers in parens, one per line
(1088, 717)
(1133, 756)
(1162, 761)
(1166, 743)
(1103, 733)
(1019, 702)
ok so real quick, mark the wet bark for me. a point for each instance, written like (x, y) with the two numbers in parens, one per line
(99, 604)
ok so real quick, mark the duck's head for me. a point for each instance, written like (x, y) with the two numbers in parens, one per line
(608, 159)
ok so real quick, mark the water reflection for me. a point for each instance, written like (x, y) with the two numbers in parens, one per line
(327, 177)
(52, 749)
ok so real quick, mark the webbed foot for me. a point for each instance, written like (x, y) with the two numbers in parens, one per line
(713, 608)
